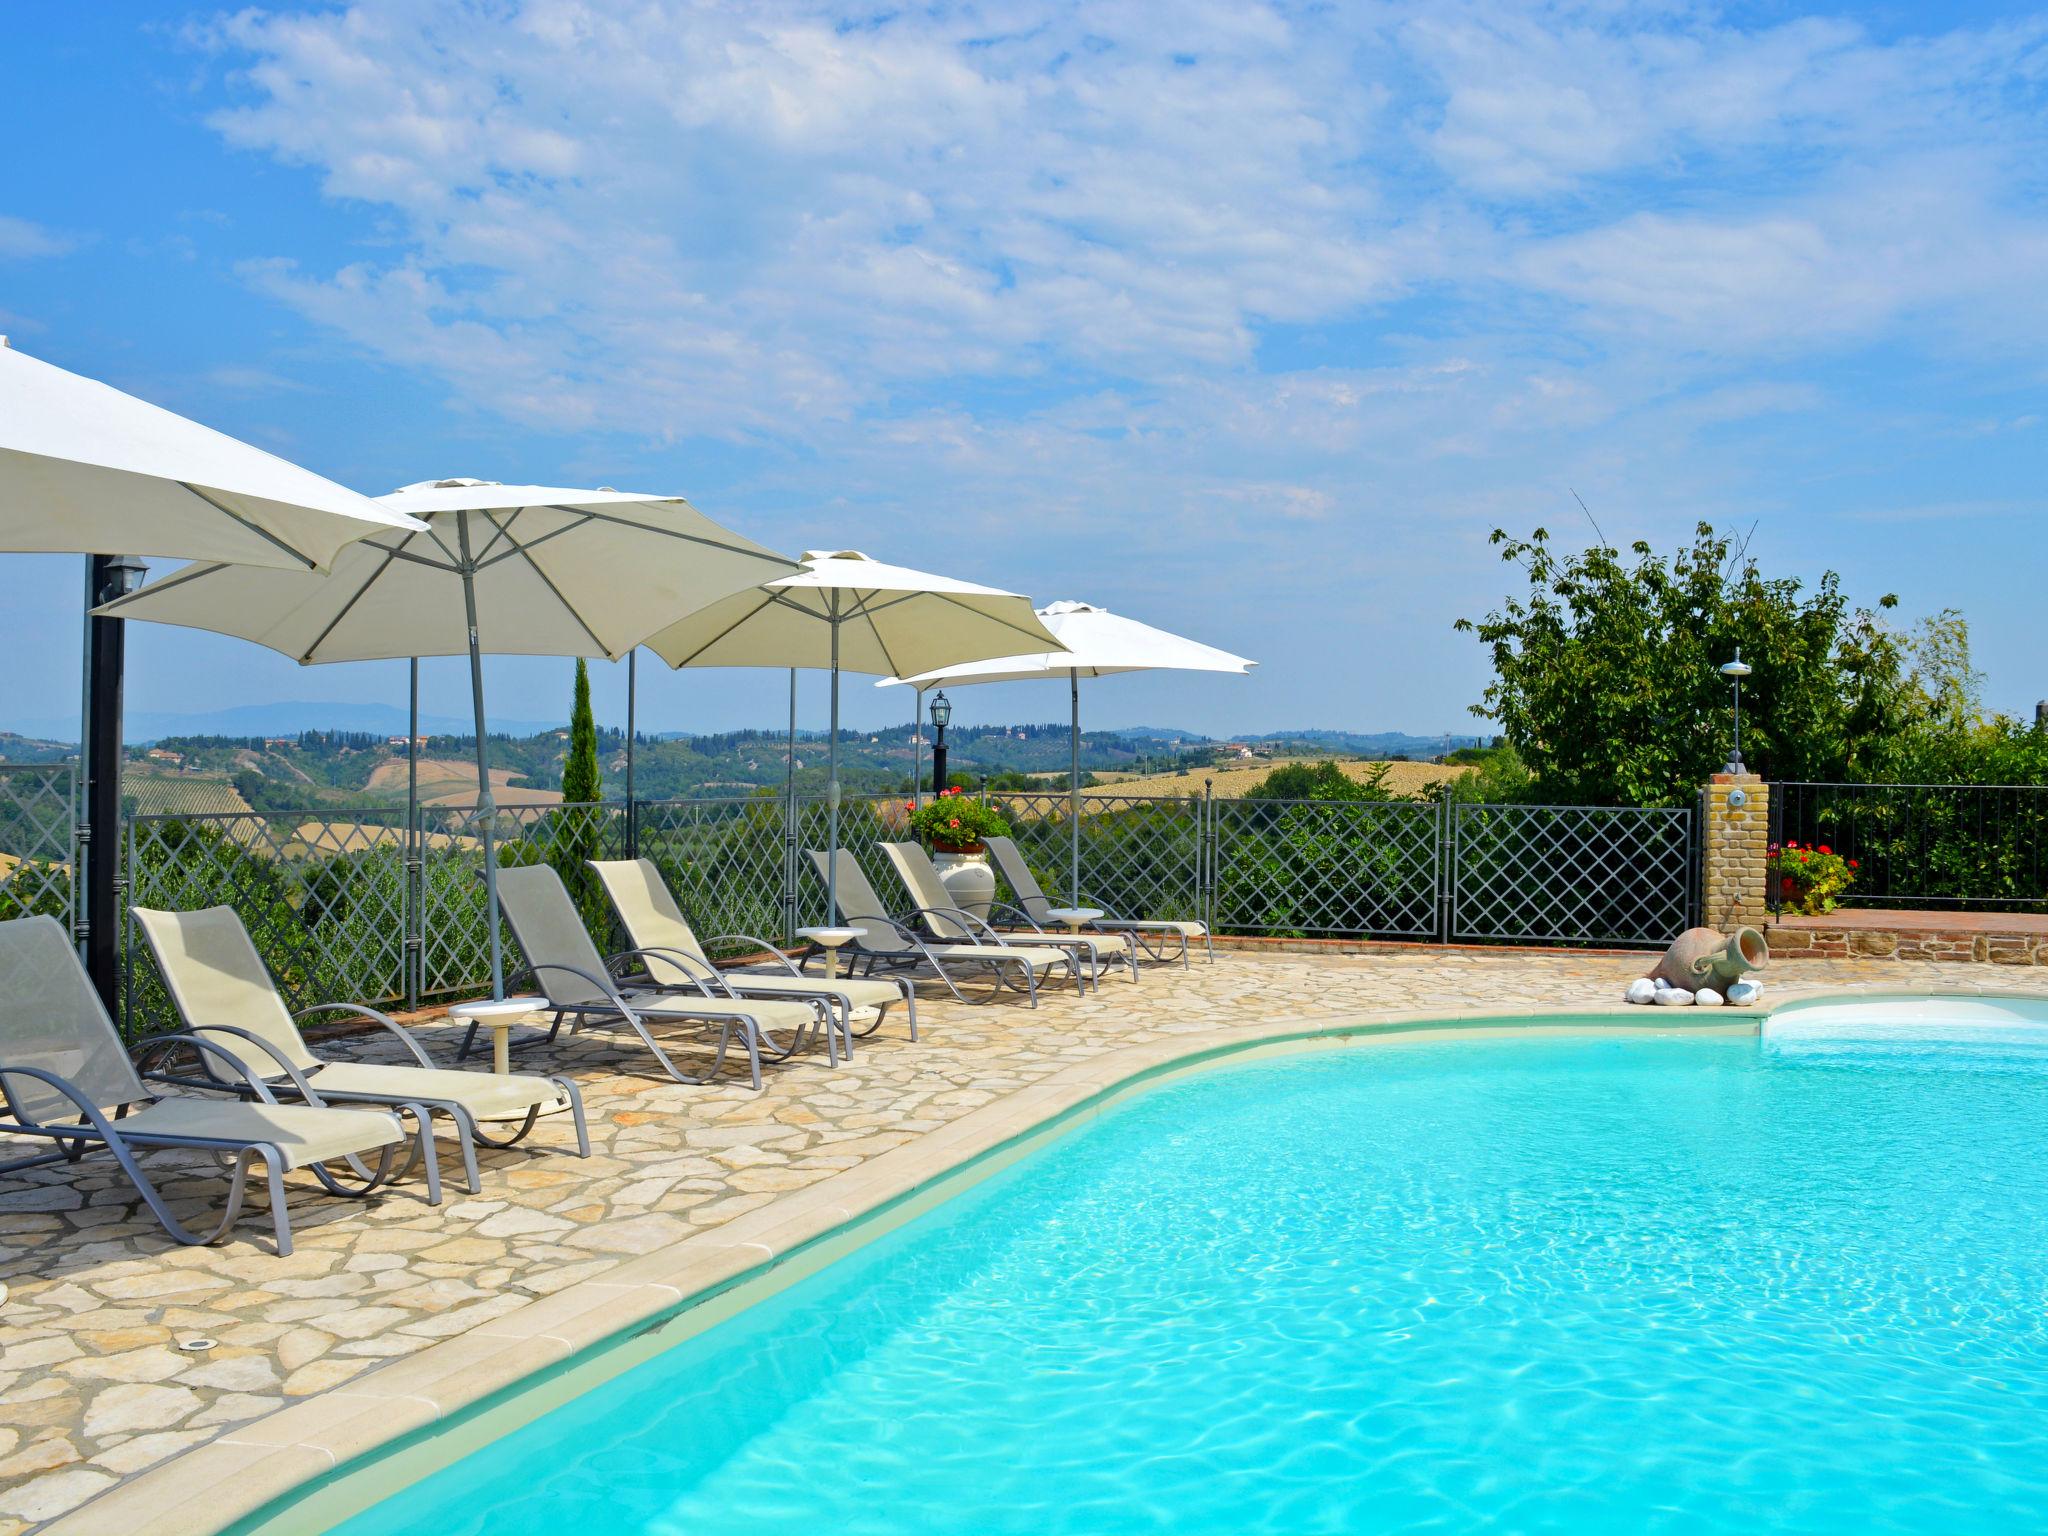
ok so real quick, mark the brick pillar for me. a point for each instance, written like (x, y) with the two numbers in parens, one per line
(1734, 838)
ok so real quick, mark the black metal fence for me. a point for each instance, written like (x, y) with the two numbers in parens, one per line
(365, 906)
(1978, 846)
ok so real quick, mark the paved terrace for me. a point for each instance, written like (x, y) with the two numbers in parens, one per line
(97, 1390)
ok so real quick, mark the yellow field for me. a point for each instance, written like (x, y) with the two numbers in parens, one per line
(1231, 781)
(452, 781)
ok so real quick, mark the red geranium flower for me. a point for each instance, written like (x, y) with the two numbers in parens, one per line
(1824, 848)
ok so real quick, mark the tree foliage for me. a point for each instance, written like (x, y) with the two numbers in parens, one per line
(1607, 683)
(1321, 781)
(582, 779)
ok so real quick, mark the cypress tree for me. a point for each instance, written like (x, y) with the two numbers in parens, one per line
(582, 780)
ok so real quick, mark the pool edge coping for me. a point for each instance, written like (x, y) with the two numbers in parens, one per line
(255, 1475)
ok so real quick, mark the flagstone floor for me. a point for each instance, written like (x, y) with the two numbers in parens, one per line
(97, 1385)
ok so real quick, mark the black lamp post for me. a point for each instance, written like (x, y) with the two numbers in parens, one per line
(942, 713)
(99, 914)
(1735, 671)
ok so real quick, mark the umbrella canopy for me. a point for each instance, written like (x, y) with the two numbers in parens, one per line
(507, 569)
(849, 612)
(842, 608)
(85, 469)
(1097, 643)
(552, 572)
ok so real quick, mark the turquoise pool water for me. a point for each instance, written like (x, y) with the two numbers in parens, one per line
(1559, 1285)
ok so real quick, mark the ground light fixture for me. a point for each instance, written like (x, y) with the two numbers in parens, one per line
(1735, 671)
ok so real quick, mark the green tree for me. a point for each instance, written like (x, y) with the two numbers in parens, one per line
(582, 779)
(1498, 777)
(1606, 679)
(1321, 781)
(579, 833)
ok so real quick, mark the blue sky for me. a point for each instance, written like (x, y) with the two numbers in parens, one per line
(1251, 321)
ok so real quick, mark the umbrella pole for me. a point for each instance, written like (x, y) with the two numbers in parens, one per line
(632, 810)
(1074, 789)
(415, 888)
(486, 804)
(832, 782)
(917, 747)
(790, 827)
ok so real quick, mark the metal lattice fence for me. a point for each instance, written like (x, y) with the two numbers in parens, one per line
(38, 811)
(452, 933)
(363, 906)
(727, 861)
(324, 898)
(1326, 868)
(1137, 855)
(1570, 874)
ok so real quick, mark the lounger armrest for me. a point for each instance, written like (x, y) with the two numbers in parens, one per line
(1018, 912)
(603, 984)
(967, 920)
(1104, 908)
(702, 976)
(89, 1110)
(371, 1015)
(902, 931)
(762, 944)
(252, 1080)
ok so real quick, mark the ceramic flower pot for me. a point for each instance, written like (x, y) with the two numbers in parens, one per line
(968, 880)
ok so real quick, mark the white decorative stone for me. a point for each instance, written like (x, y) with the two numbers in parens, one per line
(1642, 990)
(1706, 997)
(1744, 992)
(1674, 997)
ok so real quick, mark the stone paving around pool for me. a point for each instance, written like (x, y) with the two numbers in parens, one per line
(97, 1388)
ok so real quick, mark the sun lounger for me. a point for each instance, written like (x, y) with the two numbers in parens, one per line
(882, 943)
(222, 989)
(64, 1077)
(1147, 932)
(582, 986)
(934, 908)
(655, 925)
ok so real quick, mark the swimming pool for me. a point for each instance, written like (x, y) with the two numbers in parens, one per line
(1530, 1285)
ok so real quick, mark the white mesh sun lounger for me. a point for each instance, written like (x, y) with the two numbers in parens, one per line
(882, 943)
(221, 987)
(1024, 885)
(581, 985)
(64, 1077)
(933, 906)
(656, 927)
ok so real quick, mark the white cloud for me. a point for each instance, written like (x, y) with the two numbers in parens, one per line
(1169, 280)
(20, 240)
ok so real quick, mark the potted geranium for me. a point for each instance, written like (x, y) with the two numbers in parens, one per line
(954, 822)
(953, 825)
(1808, 879)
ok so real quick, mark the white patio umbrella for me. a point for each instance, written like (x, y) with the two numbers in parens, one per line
(521, 570)
(845, 611)
(88, 470)
(85, 469)
(1097, 643)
